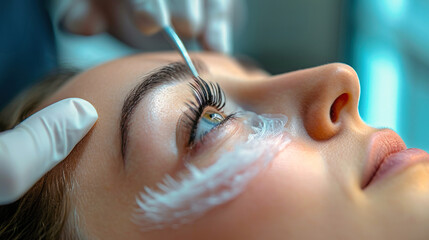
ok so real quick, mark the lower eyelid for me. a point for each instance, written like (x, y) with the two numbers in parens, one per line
(216, 137)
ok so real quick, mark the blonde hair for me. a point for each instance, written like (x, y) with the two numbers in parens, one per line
(45, 211)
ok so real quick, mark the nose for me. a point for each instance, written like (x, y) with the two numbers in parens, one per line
(324, 98)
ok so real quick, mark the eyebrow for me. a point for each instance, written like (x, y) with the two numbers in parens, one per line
(173, 72)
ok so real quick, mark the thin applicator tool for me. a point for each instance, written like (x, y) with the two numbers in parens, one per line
(162, 17)
(175, 40)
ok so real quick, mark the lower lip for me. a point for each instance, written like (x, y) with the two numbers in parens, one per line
(399, 161)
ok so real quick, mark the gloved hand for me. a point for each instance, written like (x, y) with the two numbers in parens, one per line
(36, 145)
(207, 20)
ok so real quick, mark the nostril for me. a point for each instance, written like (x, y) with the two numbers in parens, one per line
(337, 106)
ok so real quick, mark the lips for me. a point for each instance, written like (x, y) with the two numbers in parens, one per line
(387, 153)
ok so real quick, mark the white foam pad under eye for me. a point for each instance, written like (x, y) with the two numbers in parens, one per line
(184, 200)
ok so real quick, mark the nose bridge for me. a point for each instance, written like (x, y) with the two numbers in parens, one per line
(323, 97)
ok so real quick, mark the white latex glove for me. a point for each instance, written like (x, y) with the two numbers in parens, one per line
(36, 145)
(207, 20)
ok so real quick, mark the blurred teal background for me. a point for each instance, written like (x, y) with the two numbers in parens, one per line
(385, 41)
(389, 49)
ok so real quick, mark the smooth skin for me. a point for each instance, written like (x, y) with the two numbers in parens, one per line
(311, 190)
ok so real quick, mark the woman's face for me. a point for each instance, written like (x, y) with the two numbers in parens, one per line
(320, 186)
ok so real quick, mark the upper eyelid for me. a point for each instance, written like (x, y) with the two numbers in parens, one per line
(205, 94)
(173, 72)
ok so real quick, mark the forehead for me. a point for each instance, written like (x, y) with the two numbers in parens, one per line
(108, 84)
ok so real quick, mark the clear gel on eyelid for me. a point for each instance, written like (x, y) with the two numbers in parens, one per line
(182, 201)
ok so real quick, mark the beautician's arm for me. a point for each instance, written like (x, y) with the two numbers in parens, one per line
(36, 145)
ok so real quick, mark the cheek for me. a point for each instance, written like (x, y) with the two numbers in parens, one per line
(286, 195)
(294, 187)
(292, 192)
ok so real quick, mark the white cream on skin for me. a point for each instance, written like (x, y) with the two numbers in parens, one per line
(182, 201)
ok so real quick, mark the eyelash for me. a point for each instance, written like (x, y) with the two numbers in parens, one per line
(205, 95)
